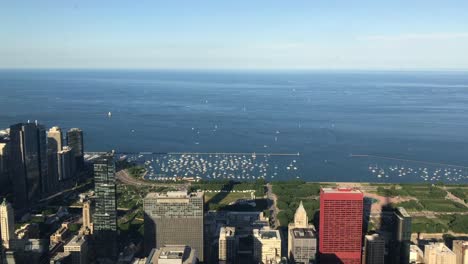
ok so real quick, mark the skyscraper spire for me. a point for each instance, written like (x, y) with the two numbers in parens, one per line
(300, 217)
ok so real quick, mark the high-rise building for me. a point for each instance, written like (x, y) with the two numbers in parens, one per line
(227, 245)
(87, 223)
(174, 218)
(399, 247)
(78, 249)
(302, 242)
(341, 219)
(416, 255)
(303, 245)
(54, 145)
(7, 224)
(105, 213)
(374, 249)
(3, 166)
(65, 164)
(438, 253)
(267, 245)
(75, 142)
(27, 161)
(460, 248)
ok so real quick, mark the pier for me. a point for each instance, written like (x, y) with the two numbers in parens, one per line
(407, 160)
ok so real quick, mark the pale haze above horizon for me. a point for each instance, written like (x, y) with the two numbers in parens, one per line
(260, 34)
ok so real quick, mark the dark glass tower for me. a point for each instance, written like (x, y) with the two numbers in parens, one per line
(105, 214)
(400, 246)
(28, 163)
(75, 141)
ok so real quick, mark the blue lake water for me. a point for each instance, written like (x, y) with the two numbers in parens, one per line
(326, 116)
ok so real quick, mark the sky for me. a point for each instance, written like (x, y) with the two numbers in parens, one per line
(240, 34)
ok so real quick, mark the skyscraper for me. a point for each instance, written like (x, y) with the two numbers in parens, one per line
(105, 214)
(54, 145)
(65, 160)
(227, 245)
(28, 163)
(401, 241)
(438, 253)
(302, 242)
(267, 245)
(341, 218)
(87, 223)
(7, 224)
(374, 249)
(174, 218)
(75, 142)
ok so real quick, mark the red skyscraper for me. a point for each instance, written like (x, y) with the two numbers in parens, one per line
(341, 214)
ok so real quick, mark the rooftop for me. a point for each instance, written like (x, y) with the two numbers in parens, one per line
(172, 254)
(403, 212)
(267, 233)
(76, 241)
(341, 190)
(303, 233)
(177, 194)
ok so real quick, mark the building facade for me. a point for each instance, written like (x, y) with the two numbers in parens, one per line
(227, 245)
(460, 248)
(438, 253)
(174, 218)
(401, 241)
(66, 165)
(75, 142)
(341, 223)
(374, 249)
(302, 241)
(266, 245)
(7, 224)
(77, 247)
(105, 214)
(27, 160)
(54, 145)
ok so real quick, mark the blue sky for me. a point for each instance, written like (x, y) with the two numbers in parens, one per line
(241, 34)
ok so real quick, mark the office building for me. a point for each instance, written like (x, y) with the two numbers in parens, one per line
(374, 249)
(77, 247)
(227, 245)
(438, 253)
(173, 254)
(341, 218)
(105, 213)
(3, 166)
(54, 145)
(302, 242)
(267, 245)
(27, 159)
(460, 248)
(399, 247)
(303, 245)
(61, 234)
(7, 224)
(174, 218)
(75, 142)
(65, 164)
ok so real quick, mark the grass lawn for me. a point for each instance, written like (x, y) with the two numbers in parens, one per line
(225, 198)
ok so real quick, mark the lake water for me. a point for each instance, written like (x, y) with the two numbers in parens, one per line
(325, 116)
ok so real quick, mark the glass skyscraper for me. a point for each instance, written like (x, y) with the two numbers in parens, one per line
(105, 214)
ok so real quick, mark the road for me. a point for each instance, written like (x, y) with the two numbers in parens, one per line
(125, 178)
(273, 207)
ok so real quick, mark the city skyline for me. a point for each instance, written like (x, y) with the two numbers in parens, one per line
(235, 35)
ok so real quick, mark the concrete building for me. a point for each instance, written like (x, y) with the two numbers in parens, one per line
(302, 242)
(341, 223)
(87, 227)
(303, 245)
(399, 247)
(173, 254)
(65, 161)
(438, 253)
(267, 245)
(174, 218)
(54, 139)
(7, 224)
(54, 145)
(460, 248)
(75, 142)
(27, 163)
(77, 247)
(105, 213)
(3, 166)
(227, 245)
(374, 249)
(416, 255)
